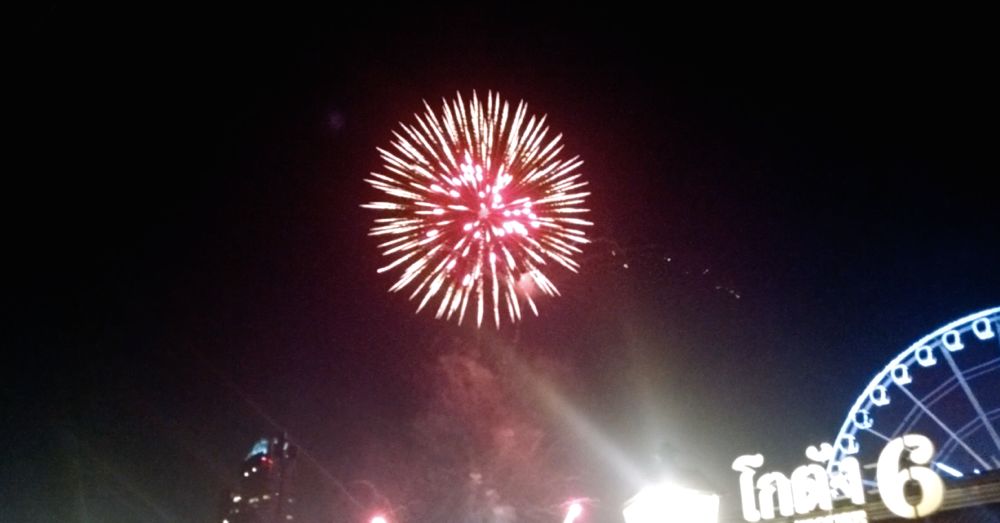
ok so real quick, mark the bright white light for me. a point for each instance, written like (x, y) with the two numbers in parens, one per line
(379, 519)
(236, 499)
(666, 503)
(574, 511)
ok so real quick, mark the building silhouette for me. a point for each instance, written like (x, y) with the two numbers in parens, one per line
(264, 491)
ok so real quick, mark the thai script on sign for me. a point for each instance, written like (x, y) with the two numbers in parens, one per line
(813, 487)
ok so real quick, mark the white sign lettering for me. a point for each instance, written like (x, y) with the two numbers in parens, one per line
(892, 478)
(811, 487)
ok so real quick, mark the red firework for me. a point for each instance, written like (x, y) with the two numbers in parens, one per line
(479, 202)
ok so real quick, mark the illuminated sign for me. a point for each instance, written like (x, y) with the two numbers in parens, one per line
(811, 487)
(258, 448)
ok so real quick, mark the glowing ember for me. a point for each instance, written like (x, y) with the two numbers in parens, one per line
(478, 202)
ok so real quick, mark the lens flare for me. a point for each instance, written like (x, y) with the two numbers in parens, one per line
(478, 203)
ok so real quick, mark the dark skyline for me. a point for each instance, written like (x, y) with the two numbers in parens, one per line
(795, 205)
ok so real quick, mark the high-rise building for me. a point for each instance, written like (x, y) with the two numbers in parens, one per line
(264, 491)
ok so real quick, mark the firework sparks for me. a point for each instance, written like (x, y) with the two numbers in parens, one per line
(479, 203)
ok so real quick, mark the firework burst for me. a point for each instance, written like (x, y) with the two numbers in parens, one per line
(479, 203)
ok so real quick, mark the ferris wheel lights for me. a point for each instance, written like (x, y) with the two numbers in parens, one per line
(957, 401)
(952, 341)
(848, 445)
(901, 375)
(879, 396)
(983, 329)
(925, 357)
(863, 420)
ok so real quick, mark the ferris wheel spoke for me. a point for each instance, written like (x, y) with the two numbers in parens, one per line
(951, 471)
(877, 434)
(972, 398)
(944, 427)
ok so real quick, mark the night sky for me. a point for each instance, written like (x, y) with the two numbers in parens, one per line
(780, 209)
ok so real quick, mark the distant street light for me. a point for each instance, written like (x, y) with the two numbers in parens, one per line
(574, 511)
(669, 503)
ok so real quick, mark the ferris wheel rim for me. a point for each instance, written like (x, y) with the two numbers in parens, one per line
(850, 425)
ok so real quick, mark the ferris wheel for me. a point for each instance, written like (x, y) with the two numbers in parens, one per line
(945, 386)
